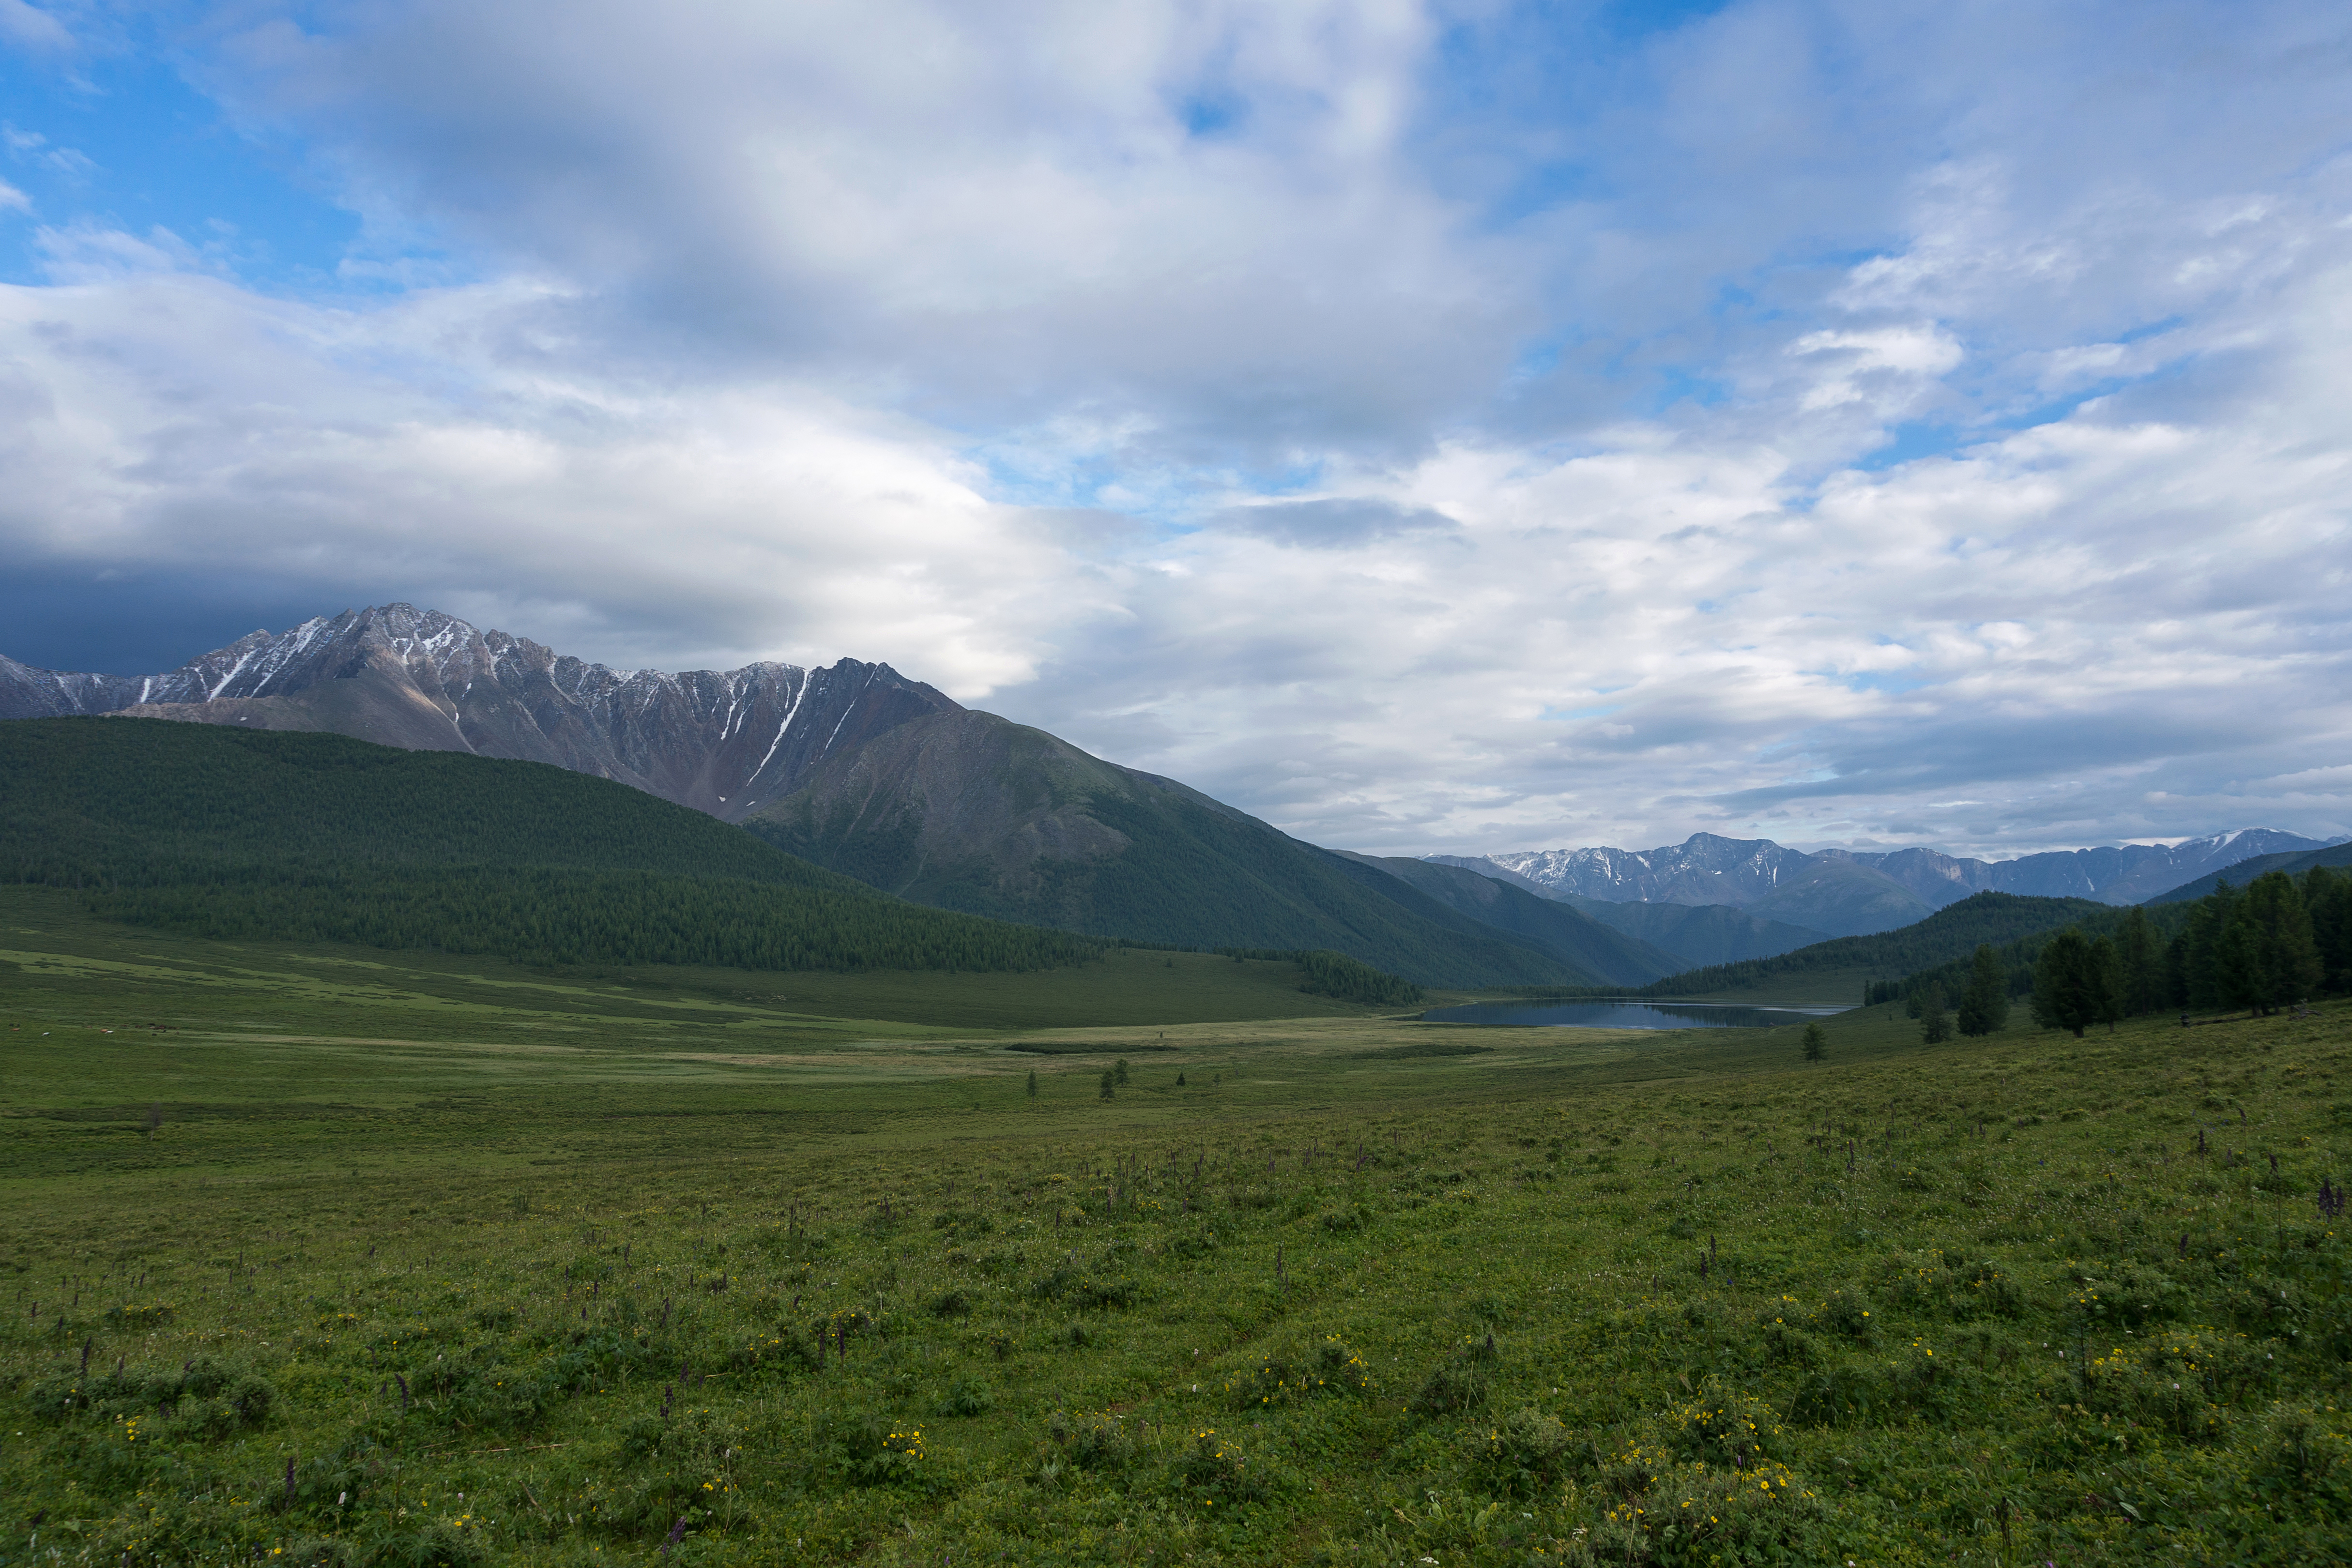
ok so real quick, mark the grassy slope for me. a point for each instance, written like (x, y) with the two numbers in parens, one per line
(1096, 1314)
(209, 984)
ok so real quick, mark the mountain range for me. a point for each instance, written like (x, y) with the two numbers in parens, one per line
(1843, 892)
(719, 741)
(862, 771)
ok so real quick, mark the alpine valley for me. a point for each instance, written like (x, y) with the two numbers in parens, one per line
(863, 771)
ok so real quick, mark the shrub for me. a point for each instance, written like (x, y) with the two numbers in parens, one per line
(1525, 1452)
(1847, 1312)
(1331, 1369)
(1099, 1445)
(1834, 1396)
(1456, 1385)
(1214, 1472)
(968, 1397)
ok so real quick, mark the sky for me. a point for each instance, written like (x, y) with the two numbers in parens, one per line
(1431, 427)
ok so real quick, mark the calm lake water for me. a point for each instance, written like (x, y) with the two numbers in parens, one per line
(1626, 1015)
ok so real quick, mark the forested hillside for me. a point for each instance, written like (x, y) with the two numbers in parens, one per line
(969, 811)
(1951, 933)
(222, 832)
(133, 799)
(1553, 926)
(2277, 941)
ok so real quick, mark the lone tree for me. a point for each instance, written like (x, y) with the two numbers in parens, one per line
(1118, 1074)
(1816, 1042)
(1984, 1006)
(1033, 1083)
(1108, 1079)
(1934, 1028)
(2068, 989)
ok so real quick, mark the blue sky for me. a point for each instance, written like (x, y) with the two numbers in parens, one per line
(1431, 426)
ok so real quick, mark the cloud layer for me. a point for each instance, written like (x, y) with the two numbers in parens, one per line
(1429, 427)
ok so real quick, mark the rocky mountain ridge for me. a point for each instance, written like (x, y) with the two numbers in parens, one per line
(719, 741)
(860, 769)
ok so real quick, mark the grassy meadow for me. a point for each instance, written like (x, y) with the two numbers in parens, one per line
(329, 1255)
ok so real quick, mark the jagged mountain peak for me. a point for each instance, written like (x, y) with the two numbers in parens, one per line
(721, 741)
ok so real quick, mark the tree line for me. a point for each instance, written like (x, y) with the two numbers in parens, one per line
(2275, 943)
(1322, 972)
(558, 916)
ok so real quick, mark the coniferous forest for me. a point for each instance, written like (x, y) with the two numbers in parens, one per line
(245, 836)
(2278, 941)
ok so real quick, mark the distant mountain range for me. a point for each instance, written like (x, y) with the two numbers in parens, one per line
(863, 771)
(2293, 862)
(1840, 892)
(1699, 935)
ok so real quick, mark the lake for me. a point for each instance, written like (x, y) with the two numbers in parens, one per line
(1626, 1015)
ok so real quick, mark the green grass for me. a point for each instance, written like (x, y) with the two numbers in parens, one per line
(522, 1266)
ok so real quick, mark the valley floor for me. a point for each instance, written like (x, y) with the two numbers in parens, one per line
(343, 1257)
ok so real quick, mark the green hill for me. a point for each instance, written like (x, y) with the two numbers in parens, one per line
(306, 837)
(1557, 927)
(1952, 932)
(970, 811)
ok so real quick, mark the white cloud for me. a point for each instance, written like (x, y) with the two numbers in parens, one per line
(165, 419)
(1205, 383)
(30, 27)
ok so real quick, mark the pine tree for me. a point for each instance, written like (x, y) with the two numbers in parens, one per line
(1984, 1006)
(1934, 1027)
(1107, 1080)
(2236, 967)
(2106, 982)
(2287, 962)
(1118, 1074)
(2201, 944)
(2327, 895)
(2144, 987)
(1033, 1083)
(1816, 1042)
(2066, 984)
